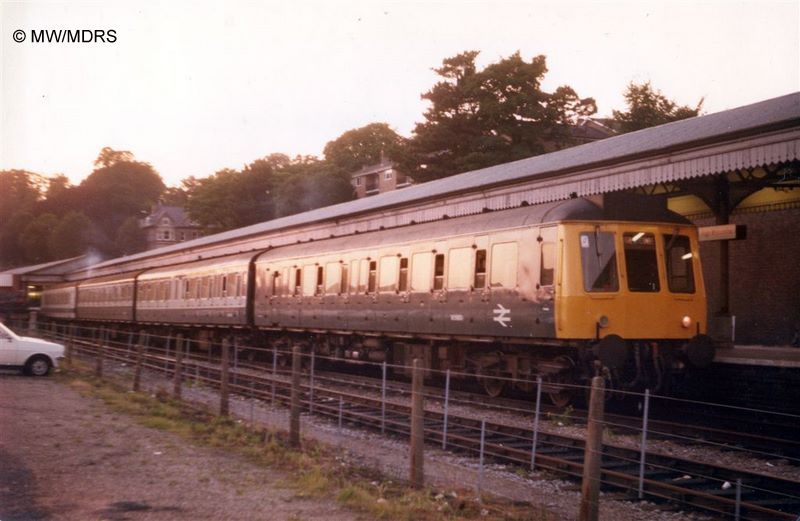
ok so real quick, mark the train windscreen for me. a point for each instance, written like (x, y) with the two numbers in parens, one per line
(599, 261)
(641, 262)
(680, 274)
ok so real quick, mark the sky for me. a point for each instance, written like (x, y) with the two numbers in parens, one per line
(194, 87)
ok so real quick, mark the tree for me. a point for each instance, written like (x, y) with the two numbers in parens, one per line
(232, 199)
(34, 240)
(119, 189)
(130, 237)
(309, 183)
(362, 146)
(648, 107)
(71, 236)
(482, 118)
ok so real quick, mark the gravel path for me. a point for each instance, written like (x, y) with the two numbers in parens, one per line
(67, 457)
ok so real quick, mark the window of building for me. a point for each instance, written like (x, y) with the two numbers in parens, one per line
(165, 235)
(359, 181)
(680, 273)
(479, 280)
(459, 273)
(421, 276)
(389, 273)
(402, 284)
(599, 261)
(183, 236)
(641, 263)
(165, 221)
(504, 265)
(388, 175)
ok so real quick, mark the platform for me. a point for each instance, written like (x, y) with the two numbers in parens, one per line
(768, 356)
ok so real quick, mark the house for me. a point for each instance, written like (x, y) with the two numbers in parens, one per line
(378, 178)
(168, 225)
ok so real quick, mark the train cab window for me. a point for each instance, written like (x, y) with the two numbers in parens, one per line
(641, 263)
(599, 261)
(680, 274)
(504, 265)
(421, 276)
(333, 278)
(373, 275)
(298, 282)
(402, 283)
(479, 278)
(390, 269)
(438, 271)
(459, 273)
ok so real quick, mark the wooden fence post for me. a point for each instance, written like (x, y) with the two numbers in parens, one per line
(137, 371)
(224, 373)
(417, 426)
(69, 346)
(294, 415)
(590, 487)
(178, 377)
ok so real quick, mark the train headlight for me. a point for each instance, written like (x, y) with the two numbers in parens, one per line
(686, 321)
(602, 321)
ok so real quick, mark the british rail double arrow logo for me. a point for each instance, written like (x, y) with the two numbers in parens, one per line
(502, 315)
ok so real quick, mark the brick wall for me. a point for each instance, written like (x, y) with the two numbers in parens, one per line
(765, 276)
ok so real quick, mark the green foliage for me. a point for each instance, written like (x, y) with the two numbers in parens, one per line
(71, 236)
(130, 237)
(309, 183)
(362, 146)
(482, 118)
(34, 238)
(648, 107)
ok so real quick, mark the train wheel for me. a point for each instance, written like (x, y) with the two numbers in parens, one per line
(559, 392)
(489, 377)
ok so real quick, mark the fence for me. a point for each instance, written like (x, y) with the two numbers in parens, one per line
(628, 453)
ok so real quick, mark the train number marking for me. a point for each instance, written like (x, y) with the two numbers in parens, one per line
(502, 315)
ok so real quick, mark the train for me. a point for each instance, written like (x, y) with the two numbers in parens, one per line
(560, 291)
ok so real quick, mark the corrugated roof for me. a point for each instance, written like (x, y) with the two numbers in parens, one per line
(779, 112)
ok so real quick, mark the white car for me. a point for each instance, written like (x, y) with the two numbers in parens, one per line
(34, 356)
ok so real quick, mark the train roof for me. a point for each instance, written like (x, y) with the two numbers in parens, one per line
(776, 113)
(549, 213)
(227, 261)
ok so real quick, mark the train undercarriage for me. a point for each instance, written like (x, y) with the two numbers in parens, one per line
(564, 369)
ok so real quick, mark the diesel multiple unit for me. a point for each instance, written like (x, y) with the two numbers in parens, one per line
(561, 291)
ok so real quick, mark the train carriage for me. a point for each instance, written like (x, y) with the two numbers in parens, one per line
(205, 292)
(59, 300)
(109, 298)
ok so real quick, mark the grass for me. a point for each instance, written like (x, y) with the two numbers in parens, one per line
(316, 471)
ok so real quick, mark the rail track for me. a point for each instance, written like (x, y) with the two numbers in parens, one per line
(714, 489)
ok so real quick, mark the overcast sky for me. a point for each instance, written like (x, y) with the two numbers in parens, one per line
(195, 87)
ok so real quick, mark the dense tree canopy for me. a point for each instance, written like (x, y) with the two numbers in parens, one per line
(362, 146)
(648, 107)
(482, 118)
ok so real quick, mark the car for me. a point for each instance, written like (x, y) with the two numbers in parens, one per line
(36, 357)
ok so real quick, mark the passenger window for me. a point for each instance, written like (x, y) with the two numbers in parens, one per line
(276, 283)
(504, 265)
(298, 282)
(641, 262)
(224, 286)
(373, 275)
(479, 279)
(243, 278)
(363, 276)
(319, 289)
(599, 261)
(402, 284)
(333, 278)
(388, 274)
(343, 286)
(459, 272)
(680, 273)
(421, 275)
(438, 271)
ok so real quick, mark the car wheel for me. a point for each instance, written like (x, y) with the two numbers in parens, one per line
(38, 366)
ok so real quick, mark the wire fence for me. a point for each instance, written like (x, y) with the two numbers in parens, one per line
(752, 472)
